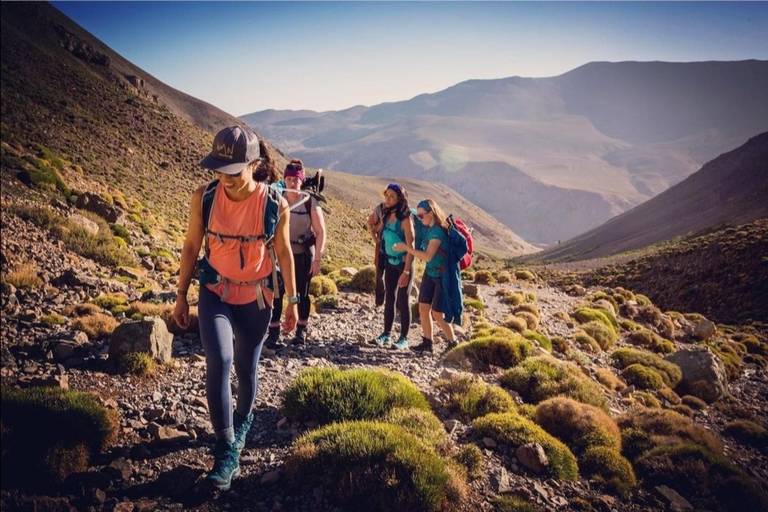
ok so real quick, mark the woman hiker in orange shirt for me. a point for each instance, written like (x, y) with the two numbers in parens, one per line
(235, 297)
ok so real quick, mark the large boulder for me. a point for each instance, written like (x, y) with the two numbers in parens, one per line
(704, 374)
(149, 335)
(96, 204)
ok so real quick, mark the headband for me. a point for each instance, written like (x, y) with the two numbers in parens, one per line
(424, 205)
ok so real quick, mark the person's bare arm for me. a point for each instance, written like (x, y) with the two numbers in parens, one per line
(285, 259)
(189, 254)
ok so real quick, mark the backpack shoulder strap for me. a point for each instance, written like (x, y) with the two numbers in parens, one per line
(209, 194)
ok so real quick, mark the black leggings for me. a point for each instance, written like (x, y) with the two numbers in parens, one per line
(391, 275)
(302, 265)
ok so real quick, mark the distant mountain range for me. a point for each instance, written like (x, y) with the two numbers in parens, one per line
(551, 158)
(730, 190)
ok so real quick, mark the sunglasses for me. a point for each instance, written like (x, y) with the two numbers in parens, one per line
(421, 215)
(294, 167)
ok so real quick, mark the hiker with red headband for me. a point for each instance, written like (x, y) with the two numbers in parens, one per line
(307, 229)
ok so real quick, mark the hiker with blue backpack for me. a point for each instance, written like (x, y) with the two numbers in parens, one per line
(396, 228)
(440, 293)
(307, 229)
(244, 224)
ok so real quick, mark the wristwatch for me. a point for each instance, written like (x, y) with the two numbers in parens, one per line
(293, 299)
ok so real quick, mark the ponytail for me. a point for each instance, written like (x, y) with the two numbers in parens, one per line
(267, 167)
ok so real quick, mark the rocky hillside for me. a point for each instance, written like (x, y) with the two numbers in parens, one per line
(605, 137)
(60, 318)
(728, 191)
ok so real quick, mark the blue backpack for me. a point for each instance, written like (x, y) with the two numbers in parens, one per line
(419, 232)
(208, 274)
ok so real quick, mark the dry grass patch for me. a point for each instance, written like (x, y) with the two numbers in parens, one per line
(24, 276)
(96, 325)
(609, 380)
(748, 432)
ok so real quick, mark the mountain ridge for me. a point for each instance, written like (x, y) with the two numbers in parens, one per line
(629, 129)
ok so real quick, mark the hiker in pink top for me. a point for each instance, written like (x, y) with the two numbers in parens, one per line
(235, 216)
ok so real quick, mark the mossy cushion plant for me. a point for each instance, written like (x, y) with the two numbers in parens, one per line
(322, 285)
(585, 315)
(500, 347)
(34, 453)
(371, 466)
(472, 398)
(365, 279)
(542, 377)
(419, 422)
(609, 469)
(326, 395)
(642, 377)
(604, 336)
(515, 430)
(580, 426)
(669, 372)
(645, 429)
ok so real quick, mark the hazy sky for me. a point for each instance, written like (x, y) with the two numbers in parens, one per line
(249, 56)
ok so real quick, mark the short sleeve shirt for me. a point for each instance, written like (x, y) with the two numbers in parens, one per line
(436, 266)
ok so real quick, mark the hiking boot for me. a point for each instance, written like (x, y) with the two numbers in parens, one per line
(424, 346)
(301, 336)
(401, 343)
(241, 424)
(273, 338)
(226, 465)
(383, 339)
(452, 344)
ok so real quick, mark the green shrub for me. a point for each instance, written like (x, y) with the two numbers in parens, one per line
(706, 479)
(326, 395)
(560, 345)
(121, 231)
(747, 432)
(648, 339)
(670, 372)
(484, 277)
(140, 364)
(531, 320)
(513, 299)
(604, 296)
(34, 454)
(644, 429)
(498, 348)
(327, 302)
(524, 275)
(542, 377)
(642, 377)
(694, 402)
(471, 458)
(371, 466)
(585, 315)
(109, 301)
(504, 277)
(515, 323)
(603, 335)
(645, 399)
(322, 285)
(539, 338)
(503, 503)
(474, 303)
(609, 469)
(669, 395)
(579, 426)
(472, 398)
(420, 422)
(365, 279)
(586, 342)
(515, 430)
(528, 307)
(52, 319)
(467, 275)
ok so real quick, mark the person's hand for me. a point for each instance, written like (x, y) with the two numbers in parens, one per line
(315, 268)
(402, 281)
(181, 312)
(399, 246)
(289, 323)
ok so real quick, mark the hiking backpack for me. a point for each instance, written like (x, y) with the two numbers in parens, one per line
(461, 228)
(271, 219)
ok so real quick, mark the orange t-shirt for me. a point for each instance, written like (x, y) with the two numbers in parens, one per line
(241, 218)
